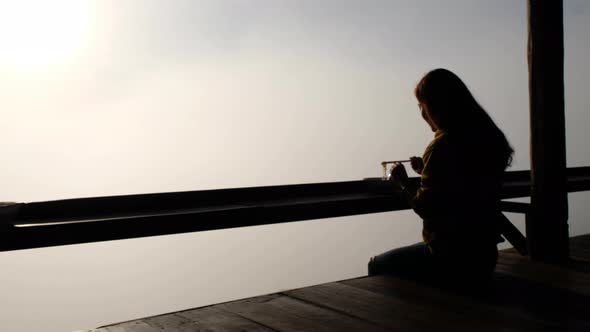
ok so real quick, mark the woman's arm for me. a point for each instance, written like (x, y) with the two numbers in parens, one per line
(438, 185)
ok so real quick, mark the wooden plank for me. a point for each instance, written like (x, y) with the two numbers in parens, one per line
(389, 312)
(216, 319)
(490, 317)
(579, 265)
(171, 323)
(510, 250)
(284, 313)
(546, 274)
(579, 249)
(516, 258)
(133, 326)
(552, 305)
(580, 241)
(582, 253)
(514, 207)
(581, 259)
(512, 258)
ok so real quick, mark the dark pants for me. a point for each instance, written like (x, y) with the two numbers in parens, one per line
(417, 262)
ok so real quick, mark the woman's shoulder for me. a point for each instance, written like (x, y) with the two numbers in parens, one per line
(441, 140)
(441, 147)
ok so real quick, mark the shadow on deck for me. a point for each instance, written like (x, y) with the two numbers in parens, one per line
(525, 296)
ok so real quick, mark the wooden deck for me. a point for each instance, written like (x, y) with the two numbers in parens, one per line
(524, 296)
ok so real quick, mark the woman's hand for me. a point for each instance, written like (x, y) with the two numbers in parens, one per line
(417, 164)
(399, 176)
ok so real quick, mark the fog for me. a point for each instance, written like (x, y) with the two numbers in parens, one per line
(160, 96)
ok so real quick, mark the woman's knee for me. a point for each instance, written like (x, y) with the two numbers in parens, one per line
(400, 260)
(373, 268)
(379, 265)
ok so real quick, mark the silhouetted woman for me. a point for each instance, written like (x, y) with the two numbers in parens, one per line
(458, 195)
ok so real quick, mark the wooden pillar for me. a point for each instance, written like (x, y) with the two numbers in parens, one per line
(547, 228)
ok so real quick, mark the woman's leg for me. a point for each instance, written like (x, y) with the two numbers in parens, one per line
(470, 268)
(415, 261)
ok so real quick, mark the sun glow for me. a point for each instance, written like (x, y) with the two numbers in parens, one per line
(42, 32)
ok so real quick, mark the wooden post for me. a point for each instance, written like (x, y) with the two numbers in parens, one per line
(547, 228)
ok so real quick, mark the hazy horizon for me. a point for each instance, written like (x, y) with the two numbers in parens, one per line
(103, 98)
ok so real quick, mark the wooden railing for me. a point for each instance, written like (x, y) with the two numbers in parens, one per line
(84, 220)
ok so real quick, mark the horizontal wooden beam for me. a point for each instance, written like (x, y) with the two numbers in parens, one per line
(515, 207)
(84, 220)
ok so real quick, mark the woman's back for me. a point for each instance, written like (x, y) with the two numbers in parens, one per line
(459, 193)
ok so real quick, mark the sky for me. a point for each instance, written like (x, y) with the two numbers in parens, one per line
(108, 97)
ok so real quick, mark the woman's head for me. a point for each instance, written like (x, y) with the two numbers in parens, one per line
(450, 107)
(447, 100)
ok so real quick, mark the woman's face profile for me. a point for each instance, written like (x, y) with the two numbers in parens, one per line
(426, 116)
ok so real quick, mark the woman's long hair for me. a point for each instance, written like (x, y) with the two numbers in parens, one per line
(455, 111)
